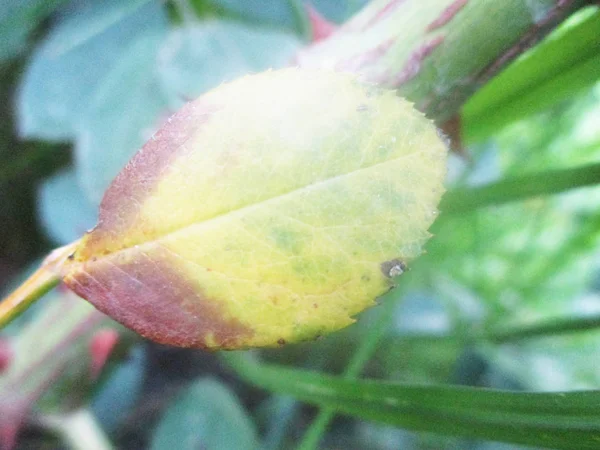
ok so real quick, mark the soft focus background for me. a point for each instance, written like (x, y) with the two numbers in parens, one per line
(83, 84)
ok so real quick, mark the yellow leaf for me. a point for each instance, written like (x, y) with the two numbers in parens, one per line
(270, 210)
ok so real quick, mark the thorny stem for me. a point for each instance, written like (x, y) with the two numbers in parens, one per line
(40, 282)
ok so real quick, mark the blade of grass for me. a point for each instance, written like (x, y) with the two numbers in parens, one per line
(552, 327)
(562, 420)
(362, 355)
(462, 200)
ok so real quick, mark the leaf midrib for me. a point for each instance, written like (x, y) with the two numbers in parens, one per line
(243, 209)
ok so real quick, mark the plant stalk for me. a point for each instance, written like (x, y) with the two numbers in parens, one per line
(46, 277)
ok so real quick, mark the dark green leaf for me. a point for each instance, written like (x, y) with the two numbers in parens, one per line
(206, 415)
(18, 18)
(561, 66)
(82, 48)
(119, 393)
(561, 420)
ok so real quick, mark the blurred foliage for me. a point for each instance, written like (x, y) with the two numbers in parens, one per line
(210, 412)
(477, 310)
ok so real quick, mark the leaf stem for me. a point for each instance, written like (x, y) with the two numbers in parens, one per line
(518, 188)
(41, 281)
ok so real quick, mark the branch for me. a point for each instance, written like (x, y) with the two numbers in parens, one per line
(436, 55)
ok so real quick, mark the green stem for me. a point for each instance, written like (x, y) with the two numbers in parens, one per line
(518, 188)
(39, 283)
(25, 295)
(359, 359)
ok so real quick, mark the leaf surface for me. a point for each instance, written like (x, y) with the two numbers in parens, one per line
(206, 415)
(549, 420)
(270, 210)
(81, 50)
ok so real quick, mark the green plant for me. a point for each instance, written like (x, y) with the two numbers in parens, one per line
(507, 283)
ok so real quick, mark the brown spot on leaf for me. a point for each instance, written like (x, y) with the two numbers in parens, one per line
(281, 341)
(447, 14)
(149, 296)
(392, 268)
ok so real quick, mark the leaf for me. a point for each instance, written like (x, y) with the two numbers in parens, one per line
(160, 72)
(276, 13)
(337, 11)
(17, 20)
(81, 49)
(91, 21)
(119, 394)
(63, 210)
(196, 59)
(270, 210)
(283, 13)
(124, 111)
(206, 415)
(549, 420)
(561, 66)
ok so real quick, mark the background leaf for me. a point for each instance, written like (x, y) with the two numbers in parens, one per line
(206, 415)
(283, 13)
(114, 401)
(17, 20)
(123, 113)
(63, 208)
(194, 59)
(66, 69)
